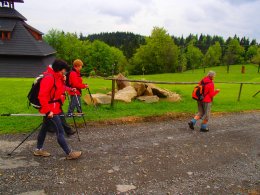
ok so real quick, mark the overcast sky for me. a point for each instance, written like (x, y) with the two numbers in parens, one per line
(179, 17)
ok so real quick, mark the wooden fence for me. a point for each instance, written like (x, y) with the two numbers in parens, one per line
(176, 83)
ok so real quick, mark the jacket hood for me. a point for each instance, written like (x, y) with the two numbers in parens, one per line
(207, 80)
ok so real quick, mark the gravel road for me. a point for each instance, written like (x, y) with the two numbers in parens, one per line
(155, 157)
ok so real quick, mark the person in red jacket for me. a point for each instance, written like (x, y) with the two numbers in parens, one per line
(204, 106)
(75, 81)
(51, 97)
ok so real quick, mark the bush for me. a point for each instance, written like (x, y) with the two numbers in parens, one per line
(92, 73)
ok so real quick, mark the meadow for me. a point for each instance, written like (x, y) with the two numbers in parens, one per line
(13, 97)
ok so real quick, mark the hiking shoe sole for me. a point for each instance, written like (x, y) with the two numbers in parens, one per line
(191, 125)
(204, 130)
(43, 154)
(74, 155)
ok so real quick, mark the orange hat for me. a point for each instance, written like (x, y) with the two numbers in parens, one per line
(77, 63)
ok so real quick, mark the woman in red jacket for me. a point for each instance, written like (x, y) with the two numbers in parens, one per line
(204, 106)
(51, 97)
(75, 81)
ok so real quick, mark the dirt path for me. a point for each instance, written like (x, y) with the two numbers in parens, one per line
(144, 158)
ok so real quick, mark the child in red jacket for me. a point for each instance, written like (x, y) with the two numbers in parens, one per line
(75, 81)
(204, 106)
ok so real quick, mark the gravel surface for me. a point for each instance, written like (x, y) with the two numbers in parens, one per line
(156, 157)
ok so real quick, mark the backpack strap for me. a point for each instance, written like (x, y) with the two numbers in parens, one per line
(204, 84)
(54, 86)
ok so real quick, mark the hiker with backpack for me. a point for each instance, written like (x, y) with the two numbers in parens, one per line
(51, 97)
(74, 80)
(204, 94)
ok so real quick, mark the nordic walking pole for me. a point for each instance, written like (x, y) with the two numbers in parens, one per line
(81, 110)
(10, 153)
(75, 124)
(92, 98)
(74, 121)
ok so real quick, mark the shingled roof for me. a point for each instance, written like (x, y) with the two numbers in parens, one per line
(23, 53)
(6, 12)
(7, 25)
(22, 41)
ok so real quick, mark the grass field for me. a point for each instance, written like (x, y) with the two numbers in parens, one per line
(14, 91)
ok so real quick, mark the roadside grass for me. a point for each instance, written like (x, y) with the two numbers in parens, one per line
(14, 91)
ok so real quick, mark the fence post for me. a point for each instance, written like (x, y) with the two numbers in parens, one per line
(240, 90)
(113, 93)
(256, 93)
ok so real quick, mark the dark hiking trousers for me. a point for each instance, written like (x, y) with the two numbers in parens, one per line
(67, 128)
(56, 121)
(75, 102)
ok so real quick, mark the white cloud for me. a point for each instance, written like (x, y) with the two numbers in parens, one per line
(214, 17)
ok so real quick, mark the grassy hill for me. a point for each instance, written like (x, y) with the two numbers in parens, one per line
(14, 91)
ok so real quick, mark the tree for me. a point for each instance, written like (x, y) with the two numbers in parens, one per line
(182, 62)
(251, 52)
(158, 55)
(256, 59)
(125, 41)
(97, 55)
(213, 55)
(234, 53)
(194, 56)
(105, 59)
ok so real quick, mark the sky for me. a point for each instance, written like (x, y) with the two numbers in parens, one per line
(179, 17)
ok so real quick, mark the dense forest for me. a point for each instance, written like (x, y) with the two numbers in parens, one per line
(125, 41)
(108, 53)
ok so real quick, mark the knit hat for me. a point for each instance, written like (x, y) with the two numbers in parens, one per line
(77, 63)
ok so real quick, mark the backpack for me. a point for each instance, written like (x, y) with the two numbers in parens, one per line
(198, 91)
(35, 89)
(67, 82)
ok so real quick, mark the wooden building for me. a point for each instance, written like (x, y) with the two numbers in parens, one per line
(23, 53)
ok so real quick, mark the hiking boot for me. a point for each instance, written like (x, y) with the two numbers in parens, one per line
(41, 152)
(73, 155)
(191, 125)
(204, 130)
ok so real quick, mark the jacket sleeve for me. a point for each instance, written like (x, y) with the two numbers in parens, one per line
(212, 92)
(75, 81)
(46, 87)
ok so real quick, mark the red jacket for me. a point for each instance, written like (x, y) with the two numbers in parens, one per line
(50, 93)
(209, 91)
(75, 81)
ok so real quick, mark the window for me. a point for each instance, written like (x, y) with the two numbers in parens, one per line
(2, 35)
(5, 35)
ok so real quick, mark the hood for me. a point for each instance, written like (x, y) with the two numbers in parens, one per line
(207, 80)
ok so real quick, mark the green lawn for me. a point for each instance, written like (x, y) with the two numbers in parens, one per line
(14, 92)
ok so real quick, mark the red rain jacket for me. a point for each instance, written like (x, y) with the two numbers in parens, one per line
(51, 97)
(75, 81)
(209, 91)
